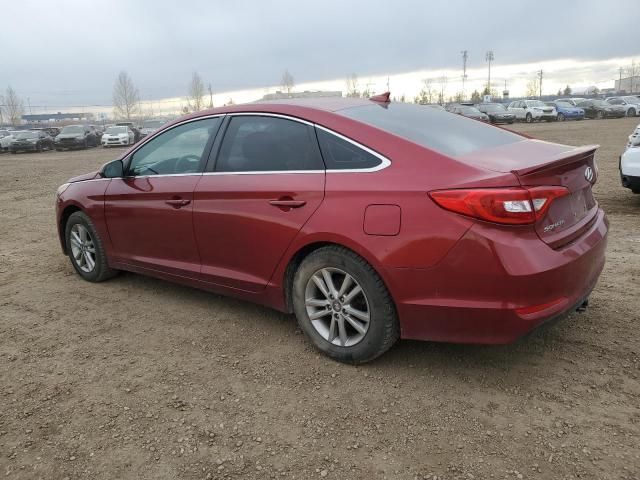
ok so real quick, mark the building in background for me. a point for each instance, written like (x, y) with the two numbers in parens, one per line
(628, 85)
(57, 117)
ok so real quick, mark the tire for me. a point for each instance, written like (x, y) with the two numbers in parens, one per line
(528, 118)
(86, 144)
(58, 149)
(100, 270)
(374, 300)
(39, 148)
(631, 112)
(600, 115)
(561, 117)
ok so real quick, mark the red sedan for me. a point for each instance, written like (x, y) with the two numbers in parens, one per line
(369, 220)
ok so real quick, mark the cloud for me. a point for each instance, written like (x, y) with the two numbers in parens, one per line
(69, 52)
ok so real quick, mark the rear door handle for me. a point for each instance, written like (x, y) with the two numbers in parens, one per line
(288, 203)
(178, 203)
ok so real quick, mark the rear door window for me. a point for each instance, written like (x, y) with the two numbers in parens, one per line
(341, 154)
(256, 143)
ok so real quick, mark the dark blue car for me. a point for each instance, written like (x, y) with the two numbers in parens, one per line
(566, 111)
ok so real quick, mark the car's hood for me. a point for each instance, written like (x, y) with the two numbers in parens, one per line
(86, 176)
(69, 135)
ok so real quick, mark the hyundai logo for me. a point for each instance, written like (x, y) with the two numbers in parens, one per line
(588, 174)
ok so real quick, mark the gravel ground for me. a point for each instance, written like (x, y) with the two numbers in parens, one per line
(138, 378)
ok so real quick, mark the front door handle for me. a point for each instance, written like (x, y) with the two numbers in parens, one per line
(178, 203)
(288, 203)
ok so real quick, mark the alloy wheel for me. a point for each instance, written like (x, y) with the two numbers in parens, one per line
(82, 248)
(337, 307)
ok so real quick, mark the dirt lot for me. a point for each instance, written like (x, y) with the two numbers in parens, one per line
(138, 378)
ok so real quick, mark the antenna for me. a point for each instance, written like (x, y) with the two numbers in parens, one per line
(489, 58)
(465, 55)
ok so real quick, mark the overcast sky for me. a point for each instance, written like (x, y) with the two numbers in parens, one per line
(69, 52)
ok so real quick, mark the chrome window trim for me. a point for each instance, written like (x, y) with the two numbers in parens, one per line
(384, 161)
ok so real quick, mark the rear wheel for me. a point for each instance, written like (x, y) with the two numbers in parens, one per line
(85, 249)
(631, 112)
(600, 115)
(343, 306)
(528, 118)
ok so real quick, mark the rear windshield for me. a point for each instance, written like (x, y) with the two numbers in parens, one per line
(444, 132)
(116, 130)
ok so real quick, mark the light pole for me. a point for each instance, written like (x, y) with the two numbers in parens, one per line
(489, 58)
(465, 55)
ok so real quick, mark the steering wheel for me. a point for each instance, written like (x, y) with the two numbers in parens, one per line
(188, 163)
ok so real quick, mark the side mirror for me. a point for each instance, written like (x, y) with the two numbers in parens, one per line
(524, 106)
(113, 169)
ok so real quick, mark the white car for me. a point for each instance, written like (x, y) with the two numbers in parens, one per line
(6, 137)
(531, 110)
(630, 163)
(117, 136)
(630, 103)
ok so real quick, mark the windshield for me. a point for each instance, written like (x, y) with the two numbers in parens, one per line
(73, 129)
(152, 124)
(564, 105)
(493, 107)
(631, 99)
(436, 130)
(116, 130)
(535, 103)
(27, 135)
(601, 103)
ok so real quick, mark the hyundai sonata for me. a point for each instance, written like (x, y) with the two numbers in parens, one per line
(369, 220)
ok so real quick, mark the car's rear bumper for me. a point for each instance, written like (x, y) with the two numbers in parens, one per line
(494, 287)
(629, 181)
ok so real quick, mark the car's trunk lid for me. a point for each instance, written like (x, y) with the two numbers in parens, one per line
(536, 163)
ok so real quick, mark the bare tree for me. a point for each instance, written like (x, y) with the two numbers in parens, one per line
(287, 82)
(1, 110)
(443, 85)
(14, 106)
(425, 95)
(352, 86)
(126, 97)
(533, 87)
(195, 99)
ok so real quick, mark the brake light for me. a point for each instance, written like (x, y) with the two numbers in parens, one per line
(509, 206)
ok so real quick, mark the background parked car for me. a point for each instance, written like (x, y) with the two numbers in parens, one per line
(630, 163)
(496, 112)
(468, 111)
(531, 110)
(117, 136)
(632, 108)
(567, 111)
(601, 109)
(52, 131)
(150, 126)
(5, 141)
(133, 128)
(31, 141)
(75, 136)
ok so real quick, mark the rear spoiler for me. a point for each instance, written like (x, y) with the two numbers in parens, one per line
(567, 157)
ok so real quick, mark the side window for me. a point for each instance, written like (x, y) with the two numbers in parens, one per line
(339, 154)
(261, 143)
(178, 150)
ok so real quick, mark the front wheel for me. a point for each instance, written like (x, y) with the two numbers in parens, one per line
(561, 117)
(85, 249)
(631, 112)
(528, 118)
(343, 306)
(600, 115)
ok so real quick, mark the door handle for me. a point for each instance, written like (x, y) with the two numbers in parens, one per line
(288, 203)
(177, 203)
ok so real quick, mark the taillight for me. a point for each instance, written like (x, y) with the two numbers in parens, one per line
(509, 206)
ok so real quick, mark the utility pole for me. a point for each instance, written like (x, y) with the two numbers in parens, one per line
(29, 103)
(540, 82)
(620, 80)
(489, 58)
(465, 55)
(210, 96)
